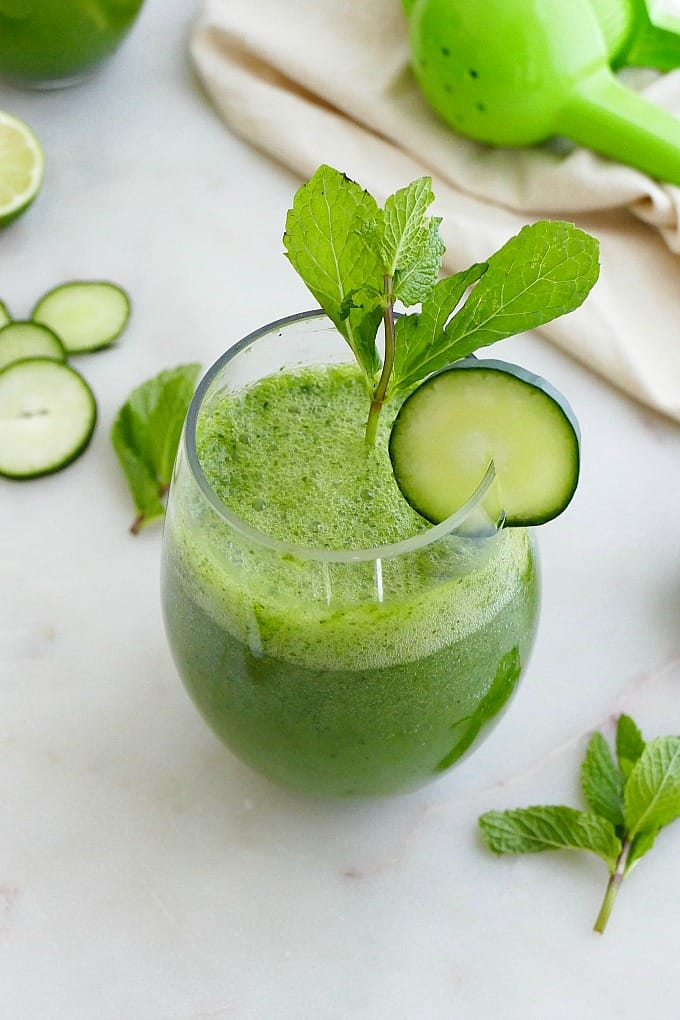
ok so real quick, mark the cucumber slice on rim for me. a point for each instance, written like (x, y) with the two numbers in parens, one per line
(21, 340)
(86, 315)
(5, 317)
(47, 417)
(458, 421)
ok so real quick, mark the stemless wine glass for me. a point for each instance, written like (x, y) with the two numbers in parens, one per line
(339, 672)
(53, 43)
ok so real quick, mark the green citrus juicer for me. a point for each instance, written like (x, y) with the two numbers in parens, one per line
(517, 72)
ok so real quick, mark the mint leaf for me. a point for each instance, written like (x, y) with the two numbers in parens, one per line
(142, 482)
(404, 225)
(629, 744)
(326, 242)
(146, 434)
(543, 272)
(643, 842)
(602, 781)
(652, 794)
(415, 280)
(420, 338)
(410, 245)
(533, 829)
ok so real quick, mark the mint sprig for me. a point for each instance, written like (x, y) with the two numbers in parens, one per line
(146, 434)
(359, 260)
(631, 800)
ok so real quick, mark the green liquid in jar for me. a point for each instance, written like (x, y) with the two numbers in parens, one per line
(47, 42)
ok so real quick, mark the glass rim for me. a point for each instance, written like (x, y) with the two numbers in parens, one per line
(418, 541)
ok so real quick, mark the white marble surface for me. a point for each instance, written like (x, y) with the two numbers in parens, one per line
(144, 873)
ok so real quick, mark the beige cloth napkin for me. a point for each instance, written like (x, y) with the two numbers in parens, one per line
(328, 81)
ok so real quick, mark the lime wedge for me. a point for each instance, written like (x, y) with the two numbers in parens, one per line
(21, 167)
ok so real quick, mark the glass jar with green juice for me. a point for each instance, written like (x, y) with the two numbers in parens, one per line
(336, 641)
(54, 43)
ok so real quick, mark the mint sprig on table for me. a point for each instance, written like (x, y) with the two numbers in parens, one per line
(146, 434)
(630, 799)
(359, 260)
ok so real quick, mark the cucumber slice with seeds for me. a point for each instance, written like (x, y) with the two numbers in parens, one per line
(458, 421)
(21, 340)
(86, 315)
(47, 417)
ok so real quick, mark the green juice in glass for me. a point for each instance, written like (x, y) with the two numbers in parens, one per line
(46, 43)
(355, 650)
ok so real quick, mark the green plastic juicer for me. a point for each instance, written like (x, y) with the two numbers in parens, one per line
(517, 72)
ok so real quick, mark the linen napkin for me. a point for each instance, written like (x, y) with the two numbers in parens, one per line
(328, 81)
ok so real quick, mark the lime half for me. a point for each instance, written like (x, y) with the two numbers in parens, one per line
(21, 167)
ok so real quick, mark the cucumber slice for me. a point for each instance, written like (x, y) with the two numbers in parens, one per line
(458, 421)
(21, 340)
(86, 315)
(5, 317)
(47, 417)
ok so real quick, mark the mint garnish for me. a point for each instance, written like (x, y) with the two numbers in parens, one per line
(630, 802)
(359, 260)
(146, 434)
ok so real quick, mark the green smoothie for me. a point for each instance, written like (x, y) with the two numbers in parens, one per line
(45, 42)
(351, 678)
